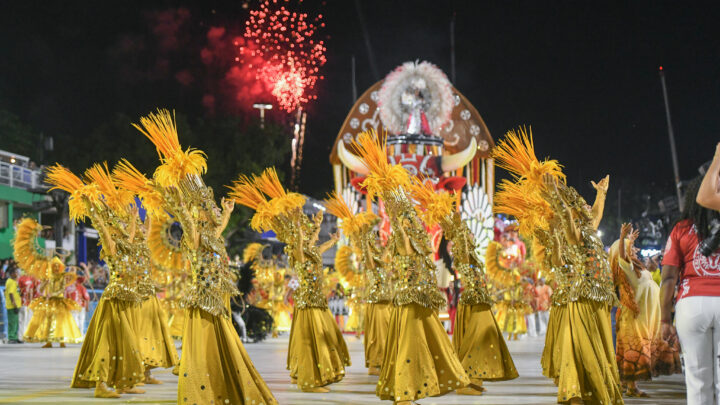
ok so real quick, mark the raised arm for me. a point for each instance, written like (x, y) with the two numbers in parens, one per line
(562, 210)
(709, 193)
(228, 206)
(599, 206)
(327, 245)
(624, 259)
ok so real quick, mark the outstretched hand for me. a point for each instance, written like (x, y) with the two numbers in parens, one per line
(602, 185)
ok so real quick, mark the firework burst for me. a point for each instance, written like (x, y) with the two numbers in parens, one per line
(287, 43)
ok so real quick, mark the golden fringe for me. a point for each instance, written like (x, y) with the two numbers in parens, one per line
(126, 176)
(432, 206)
(383, 176)
(25, 249)
(61, 178)
(117, 199)
(161, 129)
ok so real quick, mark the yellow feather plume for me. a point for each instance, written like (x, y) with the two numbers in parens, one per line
(126, 176)
(269, 183)
(62, 178)
(431, 206)
(244, 191)
(252, 251)
(383, 176)
(117, 199)
(161, 129)
(516, 154)
(26, 250)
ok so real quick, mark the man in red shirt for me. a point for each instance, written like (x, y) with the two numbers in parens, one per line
(78, 293)
(543, 304)
(29, 290)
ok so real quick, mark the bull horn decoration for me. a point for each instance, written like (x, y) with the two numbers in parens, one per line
(457, 160)
(351, 161)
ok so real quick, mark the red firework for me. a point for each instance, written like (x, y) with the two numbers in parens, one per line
(286, 41)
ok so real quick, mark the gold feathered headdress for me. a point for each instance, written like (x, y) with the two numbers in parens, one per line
(523, 197)
(26, 250)
(253, 251)
(118, 200)
(177, 164)
(383, 176)
(129, 178)
(352, 224)
(432, 206)
(80, 193)
(251, 191)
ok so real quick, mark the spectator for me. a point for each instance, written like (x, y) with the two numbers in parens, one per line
(543, 304)
(29, 290)
(697, 307)
(13, 302)
(78, 293)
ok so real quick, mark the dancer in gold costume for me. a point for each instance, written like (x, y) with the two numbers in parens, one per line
(641, 351)
(478, 340)
(578, 352)
(109, 355)
(419, 357)
(52, 319)
(214, 366)
(317, 353)
(170, 264)
(360, 229)
(503, 270)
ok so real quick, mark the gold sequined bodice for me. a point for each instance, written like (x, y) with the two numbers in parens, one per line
(379, 287)
(121, 266)
(416, 271)
(466, 262)
(310, 274)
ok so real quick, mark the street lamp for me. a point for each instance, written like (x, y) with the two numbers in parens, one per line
(262, 107)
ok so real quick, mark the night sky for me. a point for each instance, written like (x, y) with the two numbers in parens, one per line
(584, 76)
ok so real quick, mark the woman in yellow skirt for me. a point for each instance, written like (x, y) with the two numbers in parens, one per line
(419, 358)
(360, 229)
(641, 352)
(214, 366)
(317, 353)
(109, 356)
(579, 353)
(478, 340)
(52, 319)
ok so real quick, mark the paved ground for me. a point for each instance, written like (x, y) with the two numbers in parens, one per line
(31, 375)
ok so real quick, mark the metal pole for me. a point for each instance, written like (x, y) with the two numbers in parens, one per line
(452, 49)
(671, 135)
(366, 37)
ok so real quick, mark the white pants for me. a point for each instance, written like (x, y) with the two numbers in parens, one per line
(697, 320)
(23, 321)
(79, 317)
(241, 324)
(531, 328)
(543, 317)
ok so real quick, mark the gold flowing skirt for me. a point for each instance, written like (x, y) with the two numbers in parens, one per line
(419, 358)
(480, 345)
(317, 353)
(281, 317)
(377, 319)
(583, 354)
(511, 317)
(215, 366)
(108, 353)
(52, 321)
(175, 318)
(357, 317)
(156, 346)
(548, 361)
